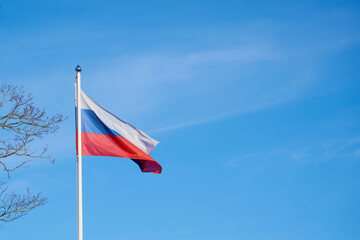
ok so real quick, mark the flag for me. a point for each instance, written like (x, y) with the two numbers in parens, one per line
(104, 134)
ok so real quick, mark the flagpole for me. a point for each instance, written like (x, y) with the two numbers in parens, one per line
(79, 157)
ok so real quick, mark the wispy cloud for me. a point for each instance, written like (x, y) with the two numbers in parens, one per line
(154, 80)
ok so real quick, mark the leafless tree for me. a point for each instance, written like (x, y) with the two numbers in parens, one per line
(21, 123)
(14, 206)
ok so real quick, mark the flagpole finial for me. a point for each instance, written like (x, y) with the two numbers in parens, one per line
(78, 68)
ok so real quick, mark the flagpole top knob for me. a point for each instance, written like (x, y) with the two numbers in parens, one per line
(78, 68)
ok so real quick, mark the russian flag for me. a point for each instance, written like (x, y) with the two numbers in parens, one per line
(104, 134)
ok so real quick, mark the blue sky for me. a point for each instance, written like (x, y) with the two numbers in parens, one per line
(255, 104)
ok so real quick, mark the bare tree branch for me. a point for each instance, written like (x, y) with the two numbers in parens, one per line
(14, 206)
(23, 123)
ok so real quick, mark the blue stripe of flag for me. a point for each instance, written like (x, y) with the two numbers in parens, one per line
(90, 123)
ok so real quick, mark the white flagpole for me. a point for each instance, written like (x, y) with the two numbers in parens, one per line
(79, 157)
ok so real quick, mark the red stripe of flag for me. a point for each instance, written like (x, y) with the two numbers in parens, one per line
(116, 146)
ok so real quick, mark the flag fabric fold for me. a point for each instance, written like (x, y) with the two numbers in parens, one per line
(104, 134)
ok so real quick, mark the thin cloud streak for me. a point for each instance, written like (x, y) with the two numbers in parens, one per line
(316, 153)
(291, 91)
(218, 117)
